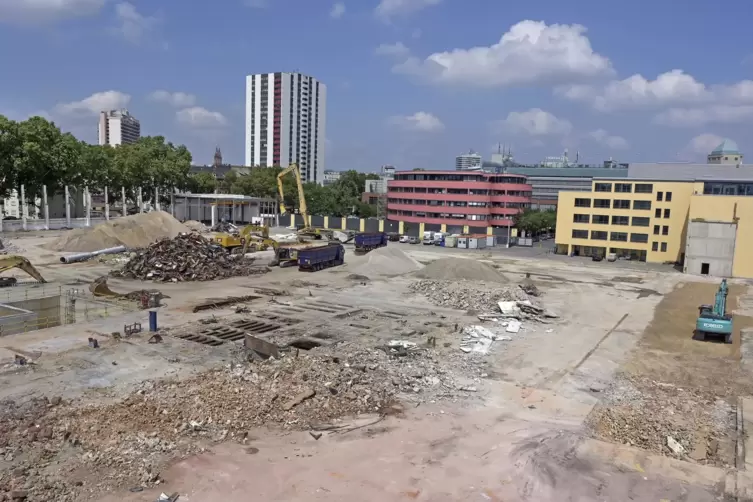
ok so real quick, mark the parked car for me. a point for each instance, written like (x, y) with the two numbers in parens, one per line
(413, 240)
(404, 238)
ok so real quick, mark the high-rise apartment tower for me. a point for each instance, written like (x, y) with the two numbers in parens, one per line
(117, 127)
(285, 122)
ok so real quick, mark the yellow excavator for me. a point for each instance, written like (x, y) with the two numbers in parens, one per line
(248, 237)
(307, 230)
(9, 262)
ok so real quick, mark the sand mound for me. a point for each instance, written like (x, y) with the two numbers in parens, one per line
(137, 231)
(387, 261)
(458, 269)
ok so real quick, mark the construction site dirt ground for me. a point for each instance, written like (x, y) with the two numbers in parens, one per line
(577, 409)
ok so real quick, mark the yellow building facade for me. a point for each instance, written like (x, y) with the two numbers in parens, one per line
(706, 225)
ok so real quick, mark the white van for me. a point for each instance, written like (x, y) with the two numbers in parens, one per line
(428, 239)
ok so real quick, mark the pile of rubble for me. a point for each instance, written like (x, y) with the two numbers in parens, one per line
(121, 445)
(8, 247)
(463, 295)
(187, 257)
(666, 419)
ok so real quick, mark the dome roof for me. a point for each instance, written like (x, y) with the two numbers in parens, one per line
(726, 147)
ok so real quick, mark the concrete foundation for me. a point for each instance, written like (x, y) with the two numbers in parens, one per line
(30, 314)
(15, 320)
(710, 248)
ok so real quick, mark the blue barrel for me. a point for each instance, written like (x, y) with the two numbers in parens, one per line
(152, 320)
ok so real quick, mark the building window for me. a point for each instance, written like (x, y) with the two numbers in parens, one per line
(642, 238)
(623, 187)
(602, 187)
(666, 213)
(642, 204)
(598, 235)
(644, 188)
(665, 230)
(618, 236)
(663, 247)
(659, 196)
(640, 221)
(582, 202)
(602, 203)
(657, 213)
(656, 229)
(580, 234)
(620, 220)
(621, 204)
(581, 218)
(654, 246)
(668, 198)
(600, 219)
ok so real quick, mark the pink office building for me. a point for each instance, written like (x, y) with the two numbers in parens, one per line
(456, 199)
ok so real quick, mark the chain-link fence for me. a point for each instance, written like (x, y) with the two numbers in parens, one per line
(25, 308)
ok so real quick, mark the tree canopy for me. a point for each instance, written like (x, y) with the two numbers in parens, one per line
(535, 221)
(35, 153)
(342, 198)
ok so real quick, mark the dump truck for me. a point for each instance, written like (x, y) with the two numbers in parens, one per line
(366, 241)
(321, 257)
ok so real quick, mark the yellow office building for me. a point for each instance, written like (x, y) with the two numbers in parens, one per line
(704, 224)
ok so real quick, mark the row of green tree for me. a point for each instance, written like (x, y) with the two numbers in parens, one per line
(36, 153)
(342, 198)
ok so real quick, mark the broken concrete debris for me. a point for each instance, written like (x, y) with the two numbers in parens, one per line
(187, 257)
(479, 339)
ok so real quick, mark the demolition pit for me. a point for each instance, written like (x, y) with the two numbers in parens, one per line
(153, 359)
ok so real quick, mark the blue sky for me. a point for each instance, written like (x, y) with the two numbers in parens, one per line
(410, 82)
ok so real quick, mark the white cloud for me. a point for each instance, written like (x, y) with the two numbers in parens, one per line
(398, 50)
(699, 116)
(391, 8)
(604, 138)
(176, 99)
(703, 144)
(33, 11)
(692, 102)
(132, 25)
(338, 10)
(419, 121)
(673, 86)
(534, 122)
(97, 102)
(531, 52)
(200, 118)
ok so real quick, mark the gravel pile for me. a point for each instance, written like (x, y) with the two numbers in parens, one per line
(57, 451)
(458, 269)
(387, 261)
(187, 257)
(8, 247)
(461, 295)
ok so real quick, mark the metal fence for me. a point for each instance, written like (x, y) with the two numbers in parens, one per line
(26, 308)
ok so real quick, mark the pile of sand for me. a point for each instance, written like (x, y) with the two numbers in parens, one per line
(137, 231)
(458, 269)
(387, 261)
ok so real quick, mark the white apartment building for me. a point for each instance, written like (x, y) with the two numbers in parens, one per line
(117, 127)
(470, 161)
(286, 114)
